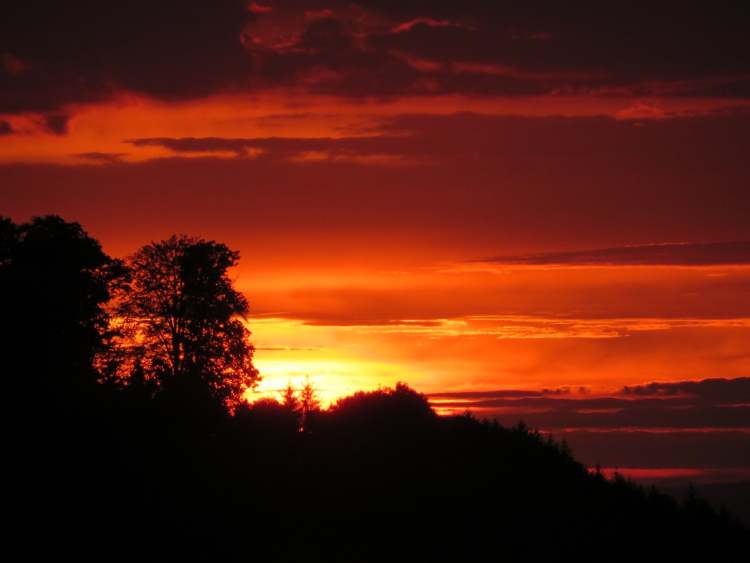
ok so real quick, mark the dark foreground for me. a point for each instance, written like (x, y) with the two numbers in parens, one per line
(377, 478)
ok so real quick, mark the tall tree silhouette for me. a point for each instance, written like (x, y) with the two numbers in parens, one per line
(289, 398)
(182, 319)
(54, 282)
(309, 404)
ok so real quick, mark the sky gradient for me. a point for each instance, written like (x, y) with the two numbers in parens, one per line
(534, 210)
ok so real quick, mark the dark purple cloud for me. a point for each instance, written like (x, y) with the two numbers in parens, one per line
(666, 254)
(620, 40)
(277, 147)
(82, 50)
(506, 48)
(57, 123)
(716, 390)
(103, 157)
(582, 144)
(56, 53)
(474, 396)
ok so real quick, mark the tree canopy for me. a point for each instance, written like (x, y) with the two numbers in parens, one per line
(54, 283)
(182, 320)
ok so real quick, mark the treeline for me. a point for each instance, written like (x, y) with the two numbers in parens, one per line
(128, 438)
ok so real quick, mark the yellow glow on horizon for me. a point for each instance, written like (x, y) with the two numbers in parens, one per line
(289, 351)
(332, 379)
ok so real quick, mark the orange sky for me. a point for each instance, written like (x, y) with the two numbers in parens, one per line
(466, 200)
(370, 263)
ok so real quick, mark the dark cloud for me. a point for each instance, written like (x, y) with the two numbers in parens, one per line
(588, 145)
(717, 390)
(325, 35)
(510, 49)
(276, 147)
(666, 254)
(5, 128)
(474, 396)
(102, 157)
(373, 322)
(57, 123)
(511, 399)
(622, 37)
(83, 50)
(55, 53)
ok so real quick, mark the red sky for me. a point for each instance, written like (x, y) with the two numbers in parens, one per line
(469, 197)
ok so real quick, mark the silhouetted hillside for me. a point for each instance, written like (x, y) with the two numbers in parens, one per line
(379, 477)
(734, 496)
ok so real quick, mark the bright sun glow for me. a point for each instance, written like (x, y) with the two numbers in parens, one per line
(331, 379)
(294, 352)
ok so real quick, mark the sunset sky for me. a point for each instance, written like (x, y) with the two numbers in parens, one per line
(536, 209)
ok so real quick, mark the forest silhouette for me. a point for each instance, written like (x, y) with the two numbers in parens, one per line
(129, 439)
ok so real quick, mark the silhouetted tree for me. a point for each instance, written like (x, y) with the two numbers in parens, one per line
(309, 404)
(54, 282)
(385, 408)
(289, 397)
(183, 320)
(291, 402)
(8, 240)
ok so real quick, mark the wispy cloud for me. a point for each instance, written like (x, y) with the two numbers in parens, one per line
(376, 150)
(717, 390)
(518, 326)
(102, 157)
(661, 254)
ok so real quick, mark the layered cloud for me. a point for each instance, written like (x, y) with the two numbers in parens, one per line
(664, 254)
(474, 140)
(79, 51)
(372, 150)
(713, 403)
(54, 54)
(719, 390)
